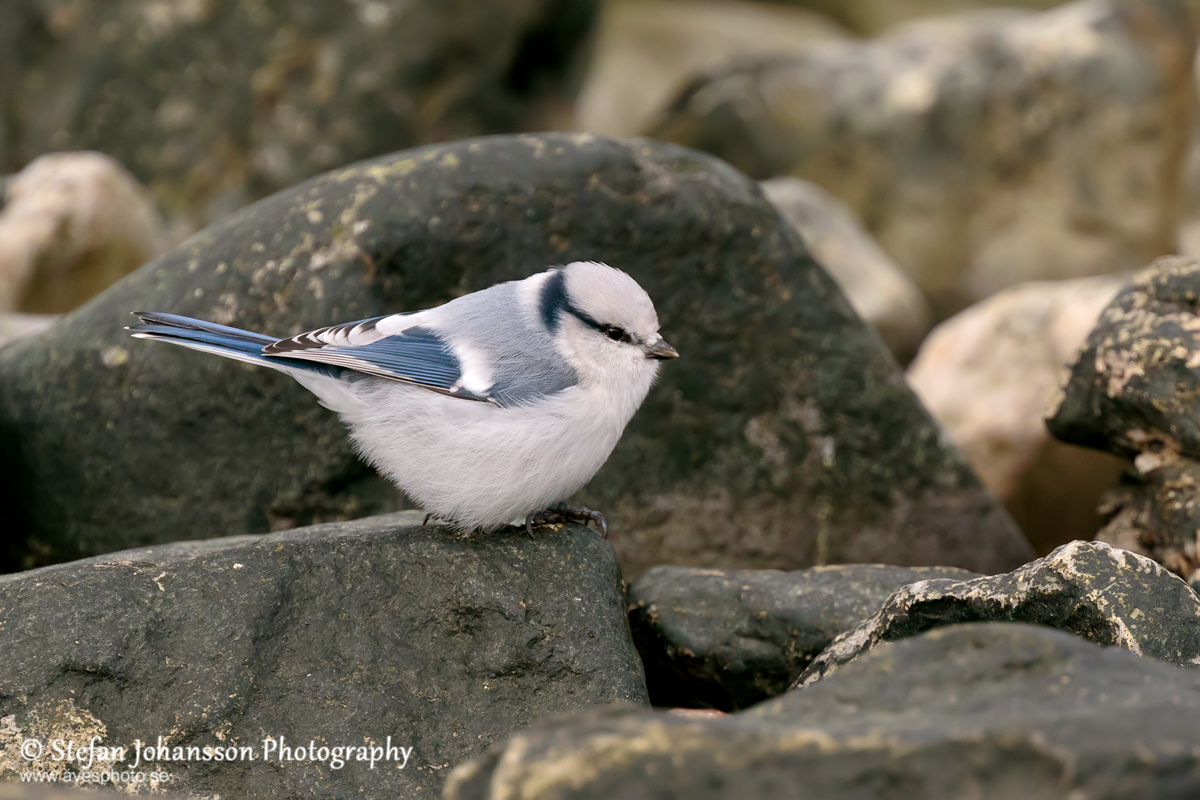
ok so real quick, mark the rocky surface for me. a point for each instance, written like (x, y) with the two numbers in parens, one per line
(71, 224)
(872, 16)
(344, 634)
(881, 294)
(1135, 388)
(1133, 392)
(25, 791)
(214, 103)
(983, 152)
(990, 374)
(728, 639)
(1155, 510)
(647, 50)
(785, 436)
(995, 711)
(1110, 596)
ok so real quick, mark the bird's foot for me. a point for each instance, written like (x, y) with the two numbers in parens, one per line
(560, 513)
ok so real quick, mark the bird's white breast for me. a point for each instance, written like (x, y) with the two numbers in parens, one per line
(480, 465)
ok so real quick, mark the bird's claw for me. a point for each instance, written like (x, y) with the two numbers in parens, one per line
(561, 513)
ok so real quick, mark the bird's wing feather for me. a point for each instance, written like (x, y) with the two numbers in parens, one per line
(481, 346)
(394, 347)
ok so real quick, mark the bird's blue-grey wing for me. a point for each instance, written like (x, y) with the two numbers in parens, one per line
(495, 329)
(414, 354)
(479, 347)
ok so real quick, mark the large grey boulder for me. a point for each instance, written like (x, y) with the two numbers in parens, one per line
(728, 639)
(214, 103)
(784, 436)
(343, 634)
(1091, 589)
(994, 711)
(981, 152)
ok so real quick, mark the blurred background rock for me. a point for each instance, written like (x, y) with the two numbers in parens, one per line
(72, 223)
(990, 375)
(983, 150)
(947, 161)
(214, 103)
(648, 50)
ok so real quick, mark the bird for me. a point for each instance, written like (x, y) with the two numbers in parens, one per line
(494, 407)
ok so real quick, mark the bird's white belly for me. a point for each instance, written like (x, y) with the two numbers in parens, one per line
(480, 465)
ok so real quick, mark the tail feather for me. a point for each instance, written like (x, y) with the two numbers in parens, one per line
(199, 325)
(221, 340)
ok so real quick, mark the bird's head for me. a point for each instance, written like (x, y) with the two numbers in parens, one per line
(603, 322)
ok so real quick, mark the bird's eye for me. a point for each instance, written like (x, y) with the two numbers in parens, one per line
(616, 334)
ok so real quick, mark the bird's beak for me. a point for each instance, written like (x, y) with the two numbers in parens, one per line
(661, 351)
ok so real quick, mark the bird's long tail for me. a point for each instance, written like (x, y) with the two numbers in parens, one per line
(209, 337)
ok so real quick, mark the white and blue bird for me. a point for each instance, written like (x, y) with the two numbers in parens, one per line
(491, 408)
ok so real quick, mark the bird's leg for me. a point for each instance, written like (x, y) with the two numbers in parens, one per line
(425, 521)
(561, 512)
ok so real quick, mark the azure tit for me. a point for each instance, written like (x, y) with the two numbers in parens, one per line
(494, 407)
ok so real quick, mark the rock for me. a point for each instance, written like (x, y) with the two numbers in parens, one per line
(25, 791)
(1110, 596)
(647, 50)
(881, 294)
(1134, 388)
(995, 711)
(785, 436)
(989, 374)
(1154, 510)
(342, 634)
(1133, 392)
(71, 224)
(728, 639)
(14, 326)
(869, 17)
(214, 103)
(980, 155)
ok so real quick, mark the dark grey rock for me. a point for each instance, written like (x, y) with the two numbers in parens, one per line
(728, 639)
(343, 633)
(1135, 391)
(214, 103)
(785, 436)
(1135, 387)
(992, 711)
(1110, 596)
(1154, 510)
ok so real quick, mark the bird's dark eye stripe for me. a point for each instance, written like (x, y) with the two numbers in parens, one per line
(614, 332)
(584, 318)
